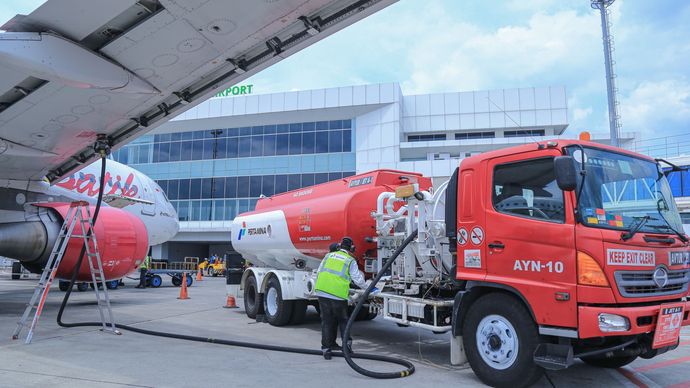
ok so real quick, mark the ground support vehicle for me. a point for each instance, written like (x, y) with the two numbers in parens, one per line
(531, 256)
(175, 270)
(215, 269)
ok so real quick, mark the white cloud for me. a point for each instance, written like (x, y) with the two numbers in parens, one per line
(652, 104)
(454, 55)
(456, 46)
(582, 114)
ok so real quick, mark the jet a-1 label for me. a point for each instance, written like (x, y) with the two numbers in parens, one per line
(361, 181)
(538, 266)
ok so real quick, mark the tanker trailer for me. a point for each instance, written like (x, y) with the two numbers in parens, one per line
(288, 234)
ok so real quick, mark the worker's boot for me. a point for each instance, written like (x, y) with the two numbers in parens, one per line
(327, 354)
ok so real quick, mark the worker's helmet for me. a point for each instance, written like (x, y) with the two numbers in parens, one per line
(333, 247)
(347, 244)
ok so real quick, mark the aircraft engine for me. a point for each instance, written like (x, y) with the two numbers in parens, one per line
(122, 242)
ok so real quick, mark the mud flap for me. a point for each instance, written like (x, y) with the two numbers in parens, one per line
(553, 356)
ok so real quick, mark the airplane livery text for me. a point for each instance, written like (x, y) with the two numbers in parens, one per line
(88, 183)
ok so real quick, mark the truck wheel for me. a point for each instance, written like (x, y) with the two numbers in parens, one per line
(500, 337)
(278, 311)
(317, 307)
(189, 280)
(299, 311)
(177, 280)
(253, 301)
(16, 270)
(156, 281)
(63, 285)
(82, 286)
(364, 314)
(610, 362)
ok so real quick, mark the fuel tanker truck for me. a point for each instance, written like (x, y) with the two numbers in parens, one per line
(530, 256)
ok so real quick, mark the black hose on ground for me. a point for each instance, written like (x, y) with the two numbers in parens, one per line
(346, 351)
(374, 357)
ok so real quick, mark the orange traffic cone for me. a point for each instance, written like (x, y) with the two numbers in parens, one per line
(199, 277)
(230, 303)
(183, 290)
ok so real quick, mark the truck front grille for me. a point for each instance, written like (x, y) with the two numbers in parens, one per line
(640, 284)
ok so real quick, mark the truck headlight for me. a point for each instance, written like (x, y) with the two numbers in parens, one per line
(613, 323)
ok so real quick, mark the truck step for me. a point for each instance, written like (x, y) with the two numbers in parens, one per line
(553, 356)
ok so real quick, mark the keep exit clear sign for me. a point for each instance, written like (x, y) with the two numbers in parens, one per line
(237, 90)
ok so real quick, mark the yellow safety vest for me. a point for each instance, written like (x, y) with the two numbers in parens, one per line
(146, 264)
(334, 276)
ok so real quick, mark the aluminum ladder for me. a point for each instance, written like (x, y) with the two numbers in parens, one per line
(78, 213)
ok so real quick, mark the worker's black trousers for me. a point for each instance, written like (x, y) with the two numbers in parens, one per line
(142, 277)
(333, 315)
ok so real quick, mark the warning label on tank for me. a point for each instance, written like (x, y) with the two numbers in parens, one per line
(473, 258)
(630, 258)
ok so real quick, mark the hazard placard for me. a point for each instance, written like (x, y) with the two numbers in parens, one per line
(668, 325)
(463, 236)
(477, 235)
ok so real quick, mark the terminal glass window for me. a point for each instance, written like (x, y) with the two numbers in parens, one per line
(226, 143)
(524, 132)
(437, 136)
(222, 198)
(474, 135)
(528, 189)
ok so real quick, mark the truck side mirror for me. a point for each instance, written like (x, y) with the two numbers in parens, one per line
(566, 174)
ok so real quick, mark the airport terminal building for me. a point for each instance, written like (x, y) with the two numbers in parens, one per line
(215, 160)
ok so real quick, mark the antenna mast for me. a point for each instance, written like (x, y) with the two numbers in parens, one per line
(612, 91)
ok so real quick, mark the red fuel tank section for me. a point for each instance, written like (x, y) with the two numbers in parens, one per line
(322, 214)
(122, 243)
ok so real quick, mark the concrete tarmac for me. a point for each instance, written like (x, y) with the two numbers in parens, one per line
(86, 357)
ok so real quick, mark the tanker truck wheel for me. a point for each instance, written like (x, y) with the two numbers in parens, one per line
(278, 311)
(253, 301)
(63, 285)
(83, 286)
(500, 337)
(299, 311)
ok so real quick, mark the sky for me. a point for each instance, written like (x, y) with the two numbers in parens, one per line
(445, 46)
(431, 46)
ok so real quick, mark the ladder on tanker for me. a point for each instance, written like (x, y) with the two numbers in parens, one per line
(78, 213)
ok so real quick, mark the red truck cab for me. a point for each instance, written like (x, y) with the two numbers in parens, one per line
(585, 237)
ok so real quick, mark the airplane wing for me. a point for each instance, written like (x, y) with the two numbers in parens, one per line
(74, 71)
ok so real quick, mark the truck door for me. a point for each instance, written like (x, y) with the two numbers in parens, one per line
(530, 235)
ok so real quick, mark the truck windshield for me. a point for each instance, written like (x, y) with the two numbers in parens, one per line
(620, 190)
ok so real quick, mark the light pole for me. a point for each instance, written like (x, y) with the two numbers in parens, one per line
(611, 90)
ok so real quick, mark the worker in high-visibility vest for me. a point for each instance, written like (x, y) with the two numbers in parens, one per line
(335, 272)
(143, 269)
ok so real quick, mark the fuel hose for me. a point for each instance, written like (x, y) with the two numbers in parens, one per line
(409, 367)
(347, 352)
